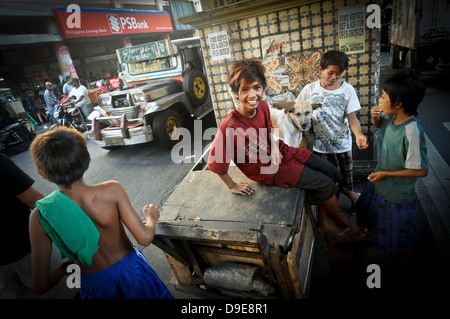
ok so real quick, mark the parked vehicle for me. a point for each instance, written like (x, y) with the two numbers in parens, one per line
(15, 138)
(420, 34)
(69, 115)
(165, 83)
(16, 128)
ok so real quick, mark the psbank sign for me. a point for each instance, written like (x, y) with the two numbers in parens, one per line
(74, 22)
(118, 24)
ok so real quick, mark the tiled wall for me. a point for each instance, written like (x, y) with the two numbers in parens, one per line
(307, 32)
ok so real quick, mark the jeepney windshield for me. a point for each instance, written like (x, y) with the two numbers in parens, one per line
(152, 65)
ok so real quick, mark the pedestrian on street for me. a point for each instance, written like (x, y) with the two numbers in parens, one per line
(387, 204)
(18, 198)
(50, 100)
(67, 88)
(86, 223)
(57, 89)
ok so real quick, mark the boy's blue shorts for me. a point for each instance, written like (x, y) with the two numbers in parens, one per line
(130, 278)
(393, 227)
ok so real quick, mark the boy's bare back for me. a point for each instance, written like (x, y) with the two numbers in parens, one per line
(109, 208)
(61, 157)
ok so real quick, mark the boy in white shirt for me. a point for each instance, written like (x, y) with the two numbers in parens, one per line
(335, 117)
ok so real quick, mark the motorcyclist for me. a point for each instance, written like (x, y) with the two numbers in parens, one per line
(82, 100)
(67, 88)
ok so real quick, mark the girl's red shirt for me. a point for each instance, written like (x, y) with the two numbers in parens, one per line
(246, 141)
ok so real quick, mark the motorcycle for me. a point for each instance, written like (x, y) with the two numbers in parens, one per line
(68, 114)
(15, 138)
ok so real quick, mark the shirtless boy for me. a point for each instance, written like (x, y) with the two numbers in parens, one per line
(94, 236)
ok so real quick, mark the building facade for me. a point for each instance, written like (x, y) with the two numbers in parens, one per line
(46, 40)
(290, 38)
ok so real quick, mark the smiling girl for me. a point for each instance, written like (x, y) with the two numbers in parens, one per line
(245, 137)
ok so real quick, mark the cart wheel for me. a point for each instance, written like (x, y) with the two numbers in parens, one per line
(196, 87)
(165, 126)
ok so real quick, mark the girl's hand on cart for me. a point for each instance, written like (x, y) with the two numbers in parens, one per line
(242, 188)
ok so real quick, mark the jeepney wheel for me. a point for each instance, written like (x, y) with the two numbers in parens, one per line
(196, 87)
(165, 126)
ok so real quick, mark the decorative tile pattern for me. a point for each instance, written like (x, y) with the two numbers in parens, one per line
(303, 68)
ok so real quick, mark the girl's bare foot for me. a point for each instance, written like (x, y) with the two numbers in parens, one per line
(359, 233)
(328, 226)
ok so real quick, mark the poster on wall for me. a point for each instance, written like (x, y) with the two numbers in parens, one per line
(352, 29)
(65, 61)
(219, 46)
(273, 48)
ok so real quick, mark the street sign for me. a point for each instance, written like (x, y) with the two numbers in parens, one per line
(146, 51)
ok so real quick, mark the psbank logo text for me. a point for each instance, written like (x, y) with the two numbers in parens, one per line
(118, 24)
(114, 23)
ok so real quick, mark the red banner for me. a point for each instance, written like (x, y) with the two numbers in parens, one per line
(97, 22)
(114, 83)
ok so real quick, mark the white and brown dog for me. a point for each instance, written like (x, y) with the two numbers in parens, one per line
(293, 119)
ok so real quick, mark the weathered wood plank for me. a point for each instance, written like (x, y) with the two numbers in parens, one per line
(203, 196)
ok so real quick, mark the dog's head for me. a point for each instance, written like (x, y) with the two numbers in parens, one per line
(300, 114)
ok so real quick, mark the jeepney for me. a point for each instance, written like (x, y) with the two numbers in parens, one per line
(164, 83)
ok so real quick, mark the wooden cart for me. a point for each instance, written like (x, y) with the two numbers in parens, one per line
(203, 224)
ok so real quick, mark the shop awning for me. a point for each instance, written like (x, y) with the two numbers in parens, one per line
(16, 39)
